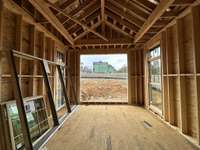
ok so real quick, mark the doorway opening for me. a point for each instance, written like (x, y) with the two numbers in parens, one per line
(155, 85)
(104, 78)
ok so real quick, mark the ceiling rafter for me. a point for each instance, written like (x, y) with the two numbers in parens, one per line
(90, 23)
(85, 27)
(86, 31)
(103, 16)
(182, 3)
(123, 14)
(122, 21)
(132, 9)
(103, 10)
(118, 29)
(76, 28)
(158, 11)
(43, 8)
(81, 8)
(91, 10)
(65, 4)
(147, 11)
(145, 4)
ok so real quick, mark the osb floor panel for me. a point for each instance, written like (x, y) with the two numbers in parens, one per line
(107, 127)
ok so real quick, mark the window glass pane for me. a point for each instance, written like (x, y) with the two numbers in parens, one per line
(59, 99)
(155, 91)
(154, 53)
(15, 125)
(156, 95)
(36, 117)
(155, 71)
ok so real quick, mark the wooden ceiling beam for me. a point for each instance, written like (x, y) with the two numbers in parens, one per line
(132, 9)
(147, 11)
(103, 16)
(76, 28)
(118, 29)
(85, 27)
(122, 21)
(65, 4)
(159, 10)
(103, 50)
(81, 8)
(145, 4)
(98, 42)
(43, 8)
(87, 31)
(182, 3)
(88, 12)
(102, 10)
(120, 12)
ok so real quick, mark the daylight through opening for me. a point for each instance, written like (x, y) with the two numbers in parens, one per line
(104, 78)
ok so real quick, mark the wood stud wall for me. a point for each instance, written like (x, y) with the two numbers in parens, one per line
(136, 77)
(180, 55)
(21, 35)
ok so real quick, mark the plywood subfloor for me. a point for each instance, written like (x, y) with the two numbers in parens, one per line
(107, 127)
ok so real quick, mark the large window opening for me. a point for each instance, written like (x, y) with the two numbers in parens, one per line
(103, 78)
(155, 85)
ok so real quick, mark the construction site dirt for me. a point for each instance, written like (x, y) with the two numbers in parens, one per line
(104, 90)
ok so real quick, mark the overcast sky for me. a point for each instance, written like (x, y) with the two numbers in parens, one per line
(116, 60)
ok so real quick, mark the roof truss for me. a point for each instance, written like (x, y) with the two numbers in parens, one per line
(138, 20)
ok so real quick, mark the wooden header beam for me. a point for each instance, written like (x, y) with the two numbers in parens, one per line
(43, 8)
(159, 10)
(97, 42)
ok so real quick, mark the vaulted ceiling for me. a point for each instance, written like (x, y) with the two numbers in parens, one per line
(83, 24)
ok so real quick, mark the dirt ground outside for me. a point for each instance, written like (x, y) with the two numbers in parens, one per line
(104, 90)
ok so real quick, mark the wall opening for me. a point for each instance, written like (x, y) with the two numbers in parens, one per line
(104, 78)
(155, 85)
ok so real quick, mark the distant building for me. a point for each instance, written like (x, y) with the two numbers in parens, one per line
(81, 66)
(84, 68)
(103, 67)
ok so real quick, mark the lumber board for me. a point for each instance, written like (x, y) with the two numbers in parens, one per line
(159, 10)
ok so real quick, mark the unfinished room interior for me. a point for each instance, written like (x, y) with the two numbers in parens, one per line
(100, 74)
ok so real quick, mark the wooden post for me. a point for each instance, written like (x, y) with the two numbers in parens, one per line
(164, 71)
(20, 104)
(67, 74)
(140, 91)
(183, 103)
(129, 79)
(169, 79)
(1, 41)
(64, 88)
(50, 95)
(196, 45)
(2, 134)
(72, 86)
(78, 76)
(33, 67)
(19, 22)
(42, 55)
(135, 77)
(146, 80)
